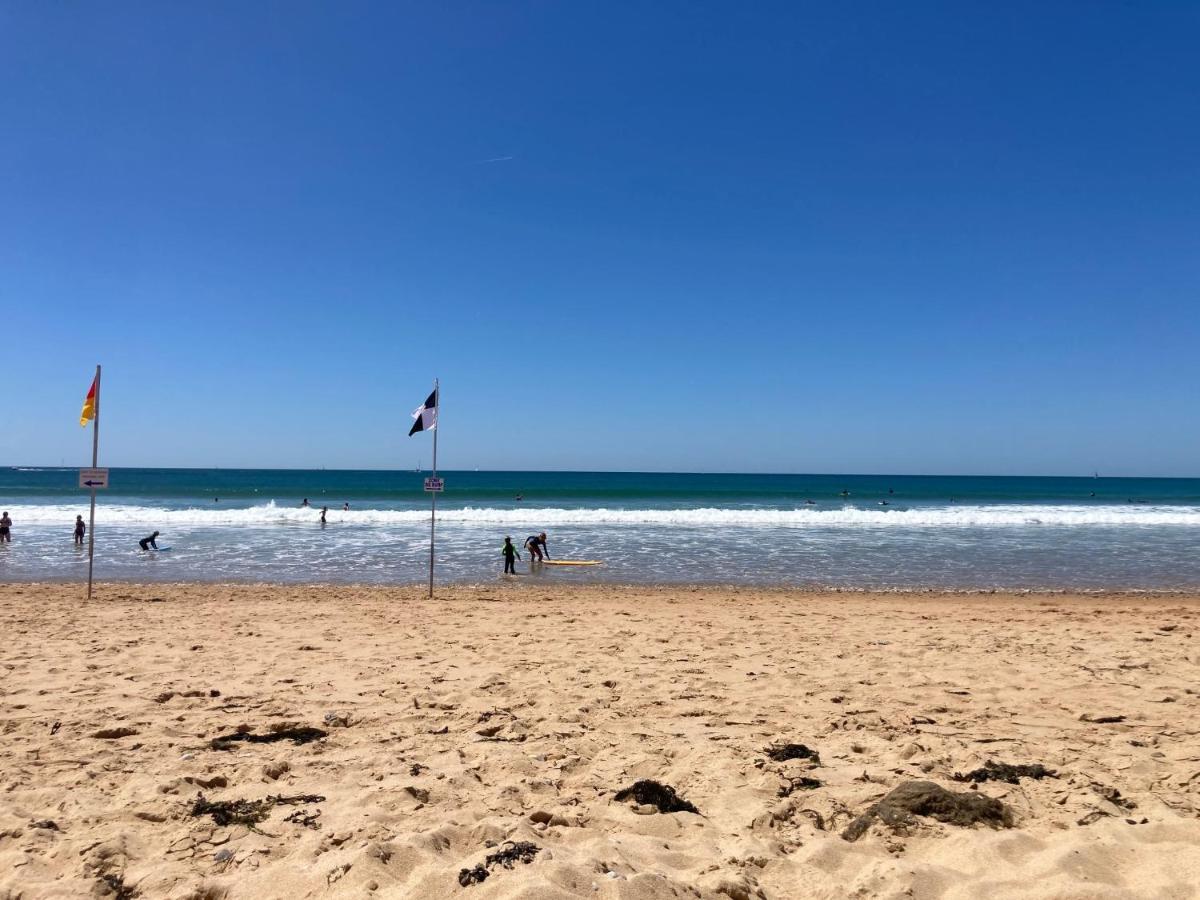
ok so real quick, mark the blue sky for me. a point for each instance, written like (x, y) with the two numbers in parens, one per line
(881, 237)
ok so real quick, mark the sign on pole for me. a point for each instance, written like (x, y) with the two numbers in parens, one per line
(435, 485)
(93, 479)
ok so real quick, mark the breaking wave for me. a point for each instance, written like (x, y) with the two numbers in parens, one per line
(965, 516)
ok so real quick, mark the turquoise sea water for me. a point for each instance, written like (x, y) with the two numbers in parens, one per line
(857, 531)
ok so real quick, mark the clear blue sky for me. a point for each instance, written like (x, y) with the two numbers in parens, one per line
(876, 236)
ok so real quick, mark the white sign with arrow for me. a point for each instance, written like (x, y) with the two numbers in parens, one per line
(93, 479)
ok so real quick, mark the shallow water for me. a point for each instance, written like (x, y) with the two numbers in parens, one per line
(934, 532)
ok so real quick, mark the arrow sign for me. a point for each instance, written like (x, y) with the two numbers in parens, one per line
(93, 479)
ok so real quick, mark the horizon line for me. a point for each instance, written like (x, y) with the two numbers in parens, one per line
(1094, 477)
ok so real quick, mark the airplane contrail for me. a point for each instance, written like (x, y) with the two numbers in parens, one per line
(495, 159)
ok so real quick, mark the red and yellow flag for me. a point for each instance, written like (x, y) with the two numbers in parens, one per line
(89, 404)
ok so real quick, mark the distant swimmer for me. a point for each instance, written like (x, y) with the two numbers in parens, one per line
(80, 530)
(5, 529)
(345, 507)
(304, 503)
(324, 509)
(890, 491)
(216, 499)
(518, 498)
(147, 542)
(884, 503)
(845, 493)
(811, 502)
(510, 552)
(536, 545)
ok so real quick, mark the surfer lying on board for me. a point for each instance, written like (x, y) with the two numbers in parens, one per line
(509, 551)
(536, 545)
(147, 542)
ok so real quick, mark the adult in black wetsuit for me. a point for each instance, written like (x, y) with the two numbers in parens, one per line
(536, 545)
(147, 542)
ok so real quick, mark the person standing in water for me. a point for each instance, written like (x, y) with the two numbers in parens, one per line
(5, 529)
(510, 552)
(80, 531)
(536, 545)
(147, 542)
(324, 509)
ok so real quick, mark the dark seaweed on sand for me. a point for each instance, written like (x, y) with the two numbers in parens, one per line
(246, 812)
(513, 852)
(661, 796)
(924, 798)
(994, 771)
(113, 887)
(784, 752)
(302, 735)
(510, 854)
(468, 877)
(803, 783)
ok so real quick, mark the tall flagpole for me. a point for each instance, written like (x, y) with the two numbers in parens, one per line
(95, 460)
(437, 405)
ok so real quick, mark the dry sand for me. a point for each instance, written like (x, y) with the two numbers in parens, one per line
(458, 724)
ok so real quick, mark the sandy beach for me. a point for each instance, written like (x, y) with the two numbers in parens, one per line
(412, 748)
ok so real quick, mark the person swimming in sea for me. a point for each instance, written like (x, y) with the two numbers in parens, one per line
(147, 542)
(324, 509)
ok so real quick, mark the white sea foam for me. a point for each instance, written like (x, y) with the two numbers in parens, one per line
(964, 516)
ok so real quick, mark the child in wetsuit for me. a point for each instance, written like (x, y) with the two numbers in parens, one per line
(509, 552)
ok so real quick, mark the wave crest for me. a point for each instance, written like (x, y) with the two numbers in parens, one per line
(966, 516)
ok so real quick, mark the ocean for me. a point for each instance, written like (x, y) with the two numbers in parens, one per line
(817, 531)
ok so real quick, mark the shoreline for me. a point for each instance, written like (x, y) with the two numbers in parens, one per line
(519, 712)
(516, 587)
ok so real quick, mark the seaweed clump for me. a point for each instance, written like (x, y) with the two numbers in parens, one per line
(297, 735)
(510, 854)
(803, 783)
(1010, 774)
(246, 812)
(784, 752)
(468, 877)
(112, 886)
(660, 796)
(924, 798)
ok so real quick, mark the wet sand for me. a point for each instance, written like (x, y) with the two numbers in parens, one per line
(517, 712)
